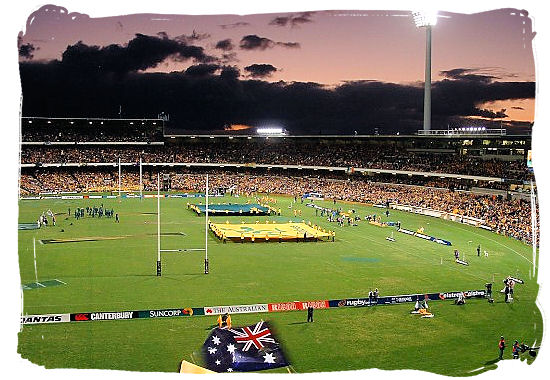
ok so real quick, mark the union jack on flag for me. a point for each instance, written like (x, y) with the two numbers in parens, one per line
(248, 348)
(256, 336)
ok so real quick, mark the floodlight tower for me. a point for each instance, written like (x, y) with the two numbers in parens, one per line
(423, 19)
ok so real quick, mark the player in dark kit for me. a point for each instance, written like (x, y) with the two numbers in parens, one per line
(501, 347)
(310, 314)
(515, 350)
(489, 292)
(478, 250)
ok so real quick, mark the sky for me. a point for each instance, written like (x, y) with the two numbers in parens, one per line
(487, 58)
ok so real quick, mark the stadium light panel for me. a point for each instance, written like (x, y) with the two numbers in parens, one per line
(424, 18)
(49, 121)
(30, 121)
(270, 131)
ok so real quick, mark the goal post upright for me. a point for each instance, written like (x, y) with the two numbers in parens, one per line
(159, 265)
(35, 266)
(140, 179)
(119, 178)
(206, 231)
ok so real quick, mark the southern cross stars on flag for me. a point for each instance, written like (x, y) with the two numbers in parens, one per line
(248, 348)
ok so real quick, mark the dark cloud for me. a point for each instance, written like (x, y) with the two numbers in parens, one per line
(292, 20)
(225, 45)
(290, 45)
(517, 108)
(303, 18)
(230, 73)
(206, 97)
(490, 114)
(239, 24)
(469, 74)
(184, 38)
(254, 42)
(140, 53)
(191, 38)
(26, 51)
(202, 69)
(260, 70)
(280, 21)
(229, 57)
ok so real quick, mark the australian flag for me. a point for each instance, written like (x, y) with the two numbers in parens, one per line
(243, 349)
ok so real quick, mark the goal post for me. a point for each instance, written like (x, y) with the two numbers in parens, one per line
(159, 264)
(206, 231)
(160, 250)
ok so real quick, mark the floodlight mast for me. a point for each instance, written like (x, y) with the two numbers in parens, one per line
(427, 20)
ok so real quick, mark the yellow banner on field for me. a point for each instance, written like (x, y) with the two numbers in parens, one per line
(257, 232)
(186, 367)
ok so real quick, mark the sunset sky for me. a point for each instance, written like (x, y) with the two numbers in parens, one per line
(328, 48)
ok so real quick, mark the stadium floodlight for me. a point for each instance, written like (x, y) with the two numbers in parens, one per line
(270, 131)
(424, 18)
(427, 19)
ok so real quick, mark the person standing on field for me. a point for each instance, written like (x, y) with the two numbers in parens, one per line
(310, 314)
(501, 347)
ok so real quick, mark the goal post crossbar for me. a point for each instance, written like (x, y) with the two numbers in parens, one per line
(182, 250)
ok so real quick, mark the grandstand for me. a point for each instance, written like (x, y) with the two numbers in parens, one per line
(57, 156)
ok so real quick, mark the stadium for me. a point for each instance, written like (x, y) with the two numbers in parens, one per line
(96, 265)
(137, 239)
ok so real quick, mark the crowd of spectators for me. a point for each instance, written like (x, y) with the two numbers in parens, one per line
(337, 155)
(510, 217)
(107, 133)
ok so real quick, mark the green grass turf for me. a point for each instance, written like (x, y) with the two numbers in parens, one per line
(119, 274)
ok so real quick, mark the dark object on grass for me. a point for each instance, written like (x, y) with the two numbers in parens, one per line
(532, 350)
